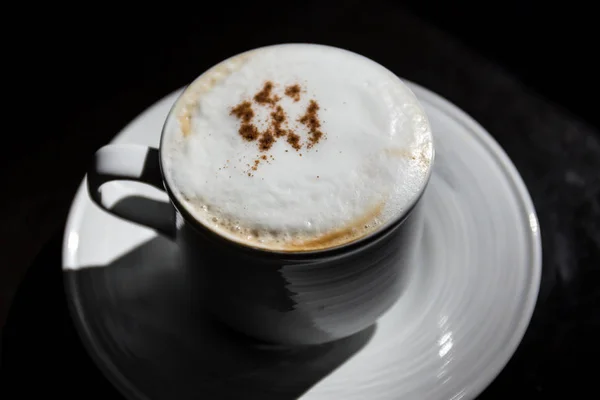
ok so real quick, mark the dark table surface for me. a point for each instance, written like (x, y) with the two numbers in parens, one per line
(108, 80)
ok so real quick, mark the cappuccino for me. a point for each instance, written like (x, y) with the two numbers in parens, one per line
(296, 147)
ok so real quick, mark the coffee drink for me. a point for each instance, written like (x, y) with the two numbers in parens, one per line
(297, 148)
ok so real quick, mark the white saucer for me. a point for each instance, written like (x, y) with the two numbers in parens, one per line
(454, 329)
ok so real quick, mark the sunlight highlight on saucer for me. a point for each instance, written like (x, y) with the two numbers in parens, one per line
(445, 341)
(459, 395)
(533, 223)
(73, 241)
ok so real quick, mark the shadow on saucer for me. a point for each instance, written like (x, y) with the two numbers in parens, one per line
(139, 318)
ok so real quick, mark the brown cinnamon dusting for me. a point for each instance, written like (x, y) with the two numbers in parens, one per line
(277, 125)
(293, 91)
(294, 141)
(249, 132)
(266, 141)
(265, 96)
(278, 117)
(243, 111)
(311, 120)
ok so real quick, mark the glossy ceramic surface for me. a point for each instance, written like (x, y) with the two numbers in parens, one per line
(461, 316)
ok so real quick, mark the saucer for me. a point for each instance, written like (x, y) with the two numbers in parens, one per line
(460, 319)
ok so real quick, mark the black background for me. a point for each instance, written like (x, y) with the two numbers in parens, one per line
(526, 70)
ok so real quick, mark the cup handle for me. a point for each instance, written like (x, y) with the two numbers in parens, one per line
(130, 162)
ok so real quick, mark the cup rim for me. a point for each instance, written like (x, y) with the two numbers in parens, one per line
(341, 248)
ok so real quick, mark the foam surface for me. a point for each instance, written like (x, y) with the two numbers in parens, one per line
(371, 162)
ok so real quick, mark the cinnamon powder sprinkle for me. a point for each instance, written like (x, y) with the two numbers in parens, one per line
(293, 91)
(249, 132)
(311, 120)
(243, 111)
(294, 141)
(277, 125)
(266, 141)
(265, 96)
(278, 117)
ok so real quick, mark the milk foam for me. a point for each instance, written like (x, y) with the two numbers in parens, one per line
(370, 165)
